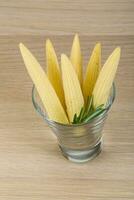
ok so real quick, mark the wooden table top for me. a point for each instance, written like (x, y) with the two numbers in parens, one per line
(62, 17)
(31, 165)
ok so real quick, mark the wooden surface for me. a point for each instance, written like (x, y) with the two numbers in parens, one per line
(88, 17)
(31, 165)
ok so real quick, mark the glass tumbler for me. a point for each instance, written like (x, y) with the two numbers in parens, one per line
(78, 143)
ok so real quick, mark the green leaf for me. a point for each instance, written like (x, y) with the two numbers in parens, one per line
(81, 113)
(93, 115)
(101, 106)
(88, 112)
(80, 118)
(89, 105)
(75, 119)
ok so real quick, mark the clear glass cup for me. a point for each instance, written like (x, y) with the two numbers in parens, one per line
(78, 143)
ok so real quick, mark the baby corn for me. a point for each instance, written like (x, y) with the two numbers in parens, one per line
(46, 92)
(53, 71)
(105, 79)
(92, 71)
(73, 94)
(76, 57)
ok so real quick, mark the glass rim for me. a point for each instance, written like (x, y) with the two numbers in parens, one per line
(43, 114)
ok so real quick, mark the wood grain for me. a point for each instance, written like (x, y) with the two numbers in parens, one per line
(64, 17)
(31, 165)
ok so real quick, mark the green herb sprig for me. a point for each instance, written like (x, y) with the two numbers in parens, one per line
(88, 112)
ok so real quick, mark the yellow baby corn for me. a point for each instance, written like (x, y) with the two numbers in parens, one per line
(73, 94)
(47, 94)
(53, 71)
(92, 71)
(105, 79)
(76, 57)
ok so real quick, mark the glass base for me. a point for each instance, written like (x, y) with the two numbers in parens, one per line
(81, 156)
